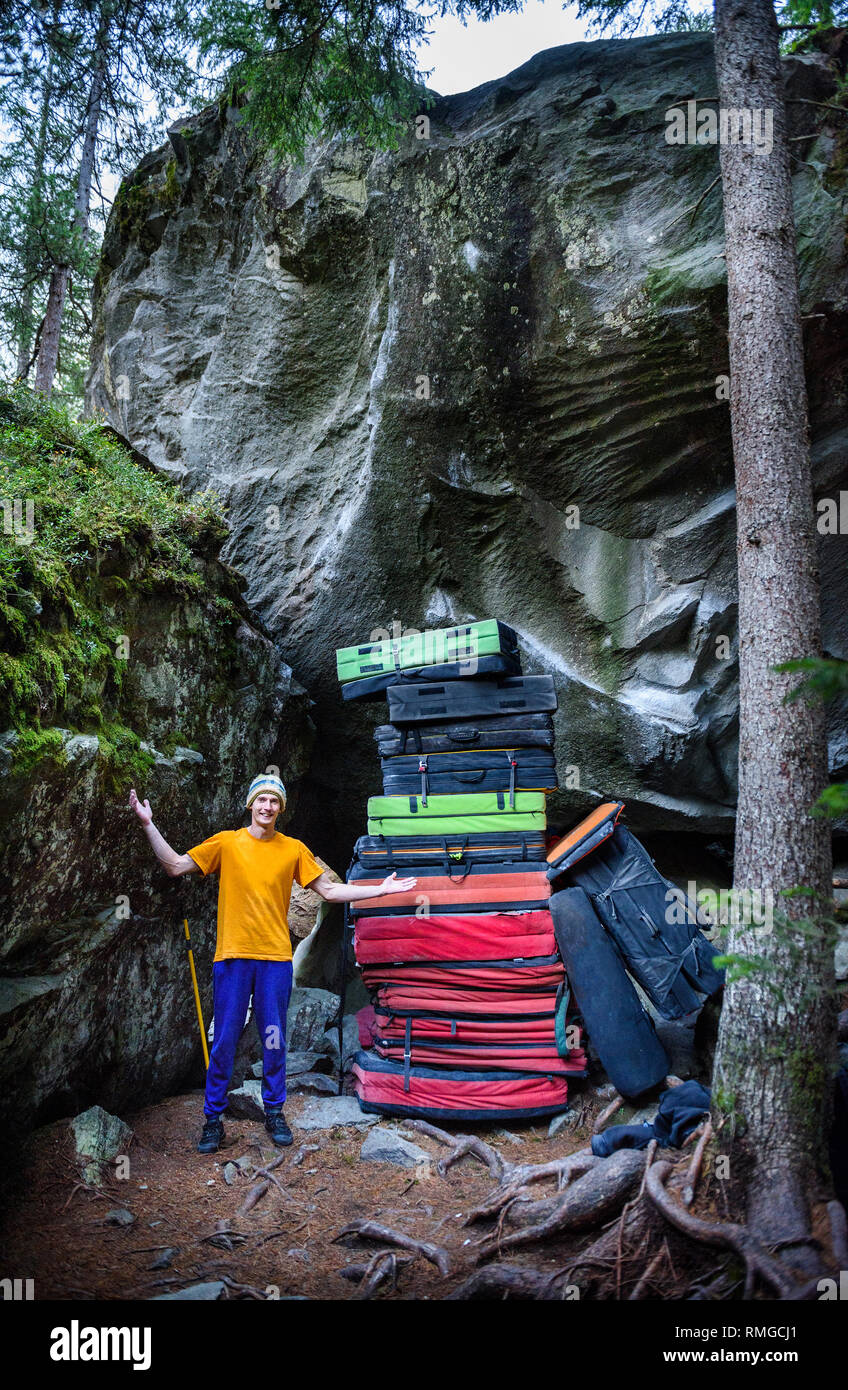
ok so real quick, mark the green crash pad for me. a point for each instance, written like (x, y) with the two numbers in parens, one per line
(431, 648)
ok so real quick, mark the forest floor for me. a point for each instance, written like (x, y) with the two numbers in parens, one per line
(57, 1232)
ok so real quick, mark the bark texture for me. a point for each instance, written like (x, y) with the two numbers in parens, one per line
(777, 1030)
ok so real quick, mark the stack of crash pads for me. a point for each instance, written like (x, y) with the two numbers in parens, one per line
(477, 975)
(470, 1014)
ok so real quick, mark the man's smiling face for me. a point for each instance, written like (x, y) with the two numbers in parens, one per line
(265, 810)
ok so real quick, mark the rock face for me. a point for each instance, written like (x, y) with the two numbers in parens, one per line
(96, 1001)
(476, 377)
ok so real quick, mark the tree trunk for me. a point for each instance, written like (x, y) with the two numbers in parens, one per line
(30, 254)
(777, 1029)
(48, 353)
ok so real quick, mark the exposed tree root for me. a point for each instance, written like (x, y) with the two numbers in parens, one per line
(637, 1256)
(381, 1267)
(247, 1290)
(644, 1283)
(302, 1152)
(460, 1145)
(599, 1194)
(372, 1230)
(694, 1169)
(223, 1236)
(259, 1189)
(607, 1113)
(518, 1176)
(757, 1260)
(512, 1177)
(511, 1281)
(838, 1233)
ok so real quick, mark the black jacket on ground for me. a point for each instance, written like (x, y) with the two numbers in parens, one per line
(681, 1110)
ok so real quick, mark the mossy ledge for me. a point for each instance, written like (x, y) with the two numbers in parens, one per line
(89, 536)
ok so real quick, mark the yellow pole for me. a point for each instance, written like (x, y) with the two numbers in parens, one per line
(197, 996)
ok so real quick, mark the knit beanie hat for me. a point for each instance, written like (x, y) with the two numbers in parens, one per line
(266, 782)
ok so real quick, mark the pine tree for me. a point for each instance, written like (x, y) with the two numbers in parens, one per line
(300, 68)
(104, 63)
(772, 1077)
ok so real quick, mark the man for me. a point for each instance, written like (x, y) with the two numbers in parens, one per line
(253, 953)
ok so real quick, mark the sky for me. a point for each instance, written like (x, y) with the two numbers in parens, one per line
(464, 56)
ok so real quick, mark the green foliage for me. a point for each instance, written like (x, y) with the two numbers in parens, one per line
(806, 14)
(740, 967)
(33, 745)
(624, 18)
(299, 69)
(126, 762)
(796, 943)
(100, 522)
(826, 679)
(724, 1101)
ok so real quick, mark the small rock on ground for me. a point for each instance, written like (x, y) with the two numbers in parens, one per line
(164, 1260)
(332, 1111)
(567, 1120)
(196, 1292)
(245, 1103)
(99, 1137)
(386, 1146)
(119, 1216)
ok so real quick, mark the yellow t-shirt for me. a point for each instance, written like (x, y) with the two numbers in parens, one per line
(255, 888)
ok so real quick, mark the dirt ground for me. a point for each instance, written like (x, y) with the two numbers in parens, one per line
(55, 1230)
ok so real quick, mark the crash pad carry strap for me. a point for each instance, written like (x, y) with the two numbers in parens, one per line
(510, 753)
(563, 999)
(407, 1052)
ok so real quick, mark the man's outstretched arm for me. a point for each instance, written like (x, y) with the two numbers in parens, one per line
(352, 892)
(174, 864)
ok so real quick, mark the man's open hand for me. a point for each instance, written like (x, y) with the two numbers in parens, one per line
(393, 884)
(141, 808)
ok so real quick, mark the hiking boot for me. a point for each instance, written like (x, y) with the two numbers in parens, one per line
(275, 1123)
(212, 1137)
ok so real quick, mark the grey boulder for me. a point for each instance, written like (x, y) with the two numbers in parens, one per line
(310, 1013)
(99, 1137)
(245, 1103)
(383, 1145)
(332, 1112)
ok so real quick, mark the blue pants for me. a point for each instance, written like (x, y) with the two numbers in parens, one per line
(270, 982)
